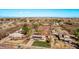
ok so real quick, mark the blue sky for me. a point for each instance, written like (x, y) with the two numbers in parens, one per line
(39, 12)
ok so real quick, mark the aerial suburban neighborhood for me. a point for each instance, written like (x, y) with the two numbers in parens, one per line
(39, 33)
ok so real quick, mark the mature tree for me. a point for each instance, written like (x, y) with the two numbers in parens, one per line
(77, 32)
(26, 29)
(35, 26)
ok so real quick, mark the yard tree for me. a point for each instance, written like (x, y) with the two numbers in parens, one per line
(35, 26)
(26, 29)
(77, 32)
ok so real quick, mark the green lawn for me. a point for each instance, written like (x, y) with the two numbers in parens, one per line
(41, 44)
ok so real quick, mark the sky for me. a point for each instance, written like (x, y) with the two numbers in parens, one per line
(39, 12)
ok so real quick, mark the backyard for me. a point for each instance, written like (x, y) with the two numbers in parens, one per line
(41, 44)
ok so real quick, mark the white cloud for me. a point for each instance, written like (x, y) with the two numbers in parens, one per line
(22, 12)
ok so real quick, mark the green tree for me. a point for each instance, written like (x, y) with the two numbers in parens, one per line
(35, 26)
(77, 32)
(26, 30)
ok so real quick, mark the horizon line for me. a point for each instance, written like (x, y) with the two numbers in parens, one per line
(38, 17)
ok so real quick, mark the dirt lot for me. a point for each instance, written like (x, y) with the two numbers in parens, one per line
(70, 28)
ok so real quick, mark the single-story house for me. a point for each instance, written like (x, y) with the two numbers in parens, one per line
(16, 36)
